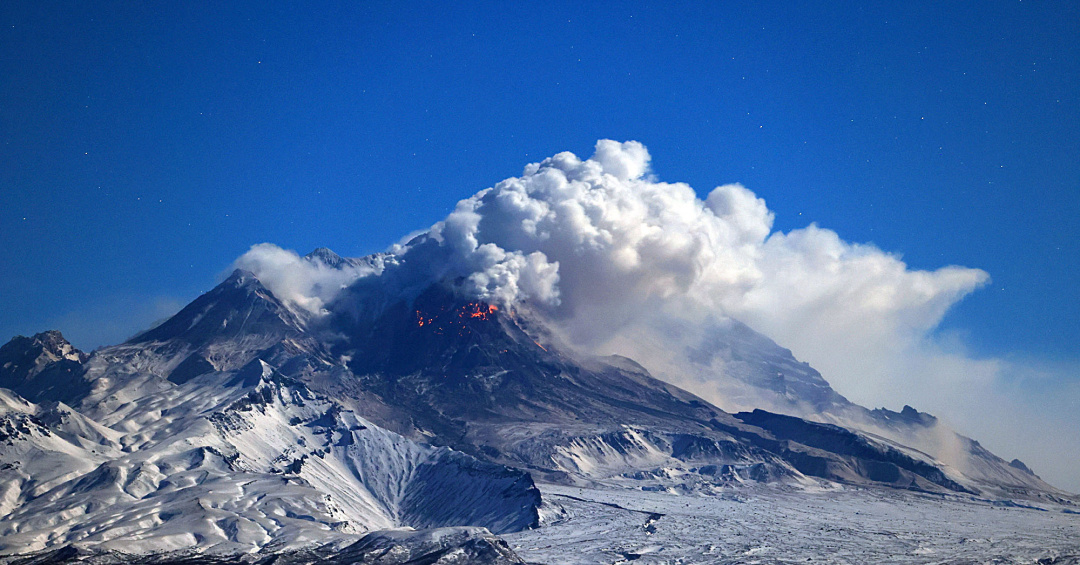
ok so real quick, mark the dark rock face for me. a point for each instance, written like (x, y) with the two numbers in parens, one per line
(15, 426)
(1018, 464)
(465, 370)
(192, 366)
(473, 361)
(237, 307)
(906, 416)
(43, 368)
(840, 454)
(420, 509)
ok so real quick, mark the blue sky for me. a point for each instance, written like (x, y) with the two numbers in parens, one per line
(144, 147)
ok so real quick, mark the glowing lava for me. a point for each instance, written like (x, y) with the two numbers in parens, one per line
(477, 310)
(470, 311)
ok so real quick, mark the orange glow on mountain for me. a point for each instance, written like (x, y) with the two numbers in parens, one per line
(469, 311)
(477, 310)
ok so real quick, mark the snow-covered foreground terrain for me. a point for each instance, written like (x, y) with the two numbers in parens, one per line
(773, 524)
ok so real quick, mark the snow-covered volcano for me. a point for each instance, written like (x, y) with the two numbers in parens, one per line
(186, 437)
(248, 423)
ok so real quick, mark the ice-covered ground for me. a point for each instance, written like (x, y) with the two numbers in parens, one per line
(230, 462)
(782, 524)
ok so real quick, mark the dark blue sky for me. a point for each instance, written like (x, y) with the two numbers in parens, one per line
(144, 147)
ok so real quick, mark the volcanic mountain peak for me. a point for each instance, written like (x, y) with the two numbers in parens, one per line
(221, 330)
(43, 367)
(239, 393)
(240, 305)
(39, 350)
(327, 257)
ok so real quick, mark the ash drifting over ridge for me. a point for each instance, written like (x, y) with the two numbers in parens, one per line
(602, 249)
(578, 237)
(242, 424)
(618, 261)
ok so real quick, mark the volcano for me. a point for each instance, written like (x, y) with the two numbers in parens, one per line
(245, 423)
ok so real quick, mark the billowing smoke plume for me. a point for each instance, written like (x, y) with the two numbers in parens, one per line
(598, 245)
(601, 247)
(624, 263)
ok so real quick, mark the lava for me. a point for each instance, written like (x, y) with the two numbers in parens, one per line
(478, 310)
(469, 311)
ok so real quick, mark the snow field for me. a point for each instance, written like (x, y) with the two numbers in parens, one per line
(773, 524)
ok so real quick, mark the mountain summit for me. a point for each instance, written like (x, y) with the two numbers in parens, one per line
(248, 423)
(44, 367)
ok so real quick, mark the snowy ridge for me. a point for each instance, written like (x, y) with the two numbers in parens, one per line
(251, 423)
(741, 369)
(43, 367)
(637, 458)
(610, 454)
(230, 462)
(380, 478)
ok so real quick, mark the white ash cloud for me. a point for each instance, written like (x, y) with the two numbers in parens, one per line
(624, 263)
(600, 247)
(305, 282)
(595, 243)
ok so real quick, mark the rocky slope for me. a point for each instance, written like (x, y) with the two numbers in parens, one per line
(227, 461)
(246, 423)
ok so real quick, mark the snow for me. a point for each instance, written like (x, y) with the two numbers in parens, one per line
(783, 524)
(233, 457)
(229, 469)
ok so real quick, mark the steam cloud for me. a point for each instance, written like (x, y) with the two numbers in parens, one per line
(615, 258)
(598, 245)
(309, 284)
(601, 247)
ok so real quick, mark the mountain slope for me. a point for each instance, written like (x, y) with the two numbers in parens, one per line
(746, 370)
(494, 383)
(231, 455)
(466, 374)
(43, 367)
(237, 466)
(220, 329)
(247, 423)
